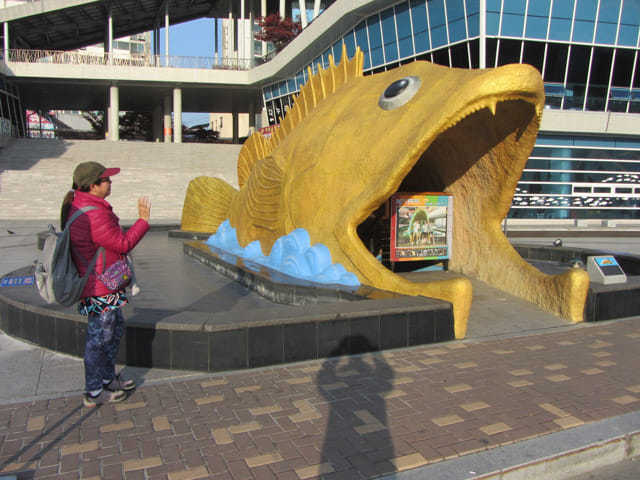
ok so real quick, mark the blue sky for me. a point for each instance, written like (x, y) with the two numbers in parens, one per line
(191, 39)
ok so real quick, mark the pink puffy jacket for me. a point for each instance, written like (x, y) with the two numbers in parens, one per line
(96, 228)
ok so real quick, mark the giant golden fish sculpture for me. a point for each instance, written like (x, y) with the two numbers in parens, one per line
(351, 141)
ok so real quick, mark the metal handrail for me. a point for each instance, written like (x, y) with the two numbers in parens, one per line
(85, 58)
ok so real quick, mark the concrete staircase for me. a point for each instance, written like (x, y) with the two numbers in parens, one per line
(35, 174)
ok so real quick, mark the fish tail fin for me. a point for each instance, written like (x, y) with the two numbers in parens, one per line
(206, 204)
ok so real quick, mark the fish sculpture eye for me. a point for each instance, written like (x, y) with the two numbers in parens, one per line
(399, 93)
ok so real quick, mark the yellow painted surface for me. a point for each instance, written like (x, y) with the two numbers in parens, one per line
(338, 156)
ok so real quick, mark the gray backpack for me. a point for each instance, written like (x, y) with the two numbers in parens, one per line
(57, 277)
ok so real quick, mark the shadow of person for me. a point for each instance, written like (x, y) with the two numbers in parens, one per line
(354, 386)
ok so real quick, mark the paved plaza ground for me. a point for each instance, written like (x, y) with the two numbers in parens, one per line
(525, 392)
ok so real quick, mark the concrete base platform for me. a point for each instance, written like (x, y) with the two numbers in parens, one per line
(308, 323)
(190, 316)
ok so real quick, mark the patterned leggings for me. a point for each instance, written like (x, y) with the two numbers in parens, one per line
(104, 332)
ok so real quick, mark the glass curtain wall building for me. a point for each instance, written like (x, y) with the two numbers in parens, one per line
(588, 54)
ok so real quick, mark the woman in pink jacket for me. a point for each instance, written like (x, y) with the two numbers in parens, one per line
(97, 228)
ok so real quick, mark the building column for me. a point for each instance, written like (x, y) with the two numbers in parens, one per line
(5, 27)
(166, 33)
(109, 42)
(235, 128)
(157, 123)
(252, 118)
(303, 13)
(263, 13)
(316, 8)
(177, 115)
(168, 132)
(282, 9)
(241, 32)
(114, 114)
(483, 34)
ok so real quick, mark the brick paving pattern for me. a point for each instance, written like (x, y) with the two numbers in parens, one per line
(346, 418)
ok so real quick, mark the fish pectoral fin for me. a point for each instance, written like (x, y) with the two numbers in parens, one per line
(206, 204)
(568, 294)
(457, 291)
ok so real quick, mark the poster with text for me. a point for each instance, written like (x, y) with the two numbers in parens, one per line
(421, 226)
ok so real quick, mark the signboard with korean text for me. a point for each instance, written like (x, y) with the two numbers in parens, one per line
(421, 226)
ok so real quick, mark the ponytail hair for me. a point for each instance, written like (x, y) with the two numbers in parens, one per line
(66, 204)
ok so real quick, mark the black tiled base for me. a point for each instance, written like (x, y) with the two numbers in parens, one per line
(323, 324)
(326, 322)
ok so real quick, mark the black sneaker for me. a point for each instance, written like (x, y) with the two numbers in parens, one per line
(105, 396)
(120, 383)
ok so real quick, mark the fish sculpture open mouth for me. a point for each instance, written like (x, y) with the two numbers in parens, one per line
(351, 141)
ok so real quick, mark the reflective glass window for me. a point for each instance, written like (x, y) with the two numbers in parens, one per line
(492, 50)
(350, 42)
(473, 25)
(560, 29)
(474, 49)
(493, 23)
(562, 9)
(473, 6)
(460, 56)
(493, 6)
(534, 54)
(577, 77)
(599, 79)
(375, 40)
(586, 10)
(512, 25)
(585, 20)
(509, 51)
(583, 31)
(628, 35)
(439, 36)
(455, 17)
(291, 85)
(493, 17)
(389, 35)
(514, 6)
(375, 36)
(300, 80)
(609, 10)
(337, 52)
(455, 10)
(539, 8)
(636, 76)
(403, 24)
(325, 58)
(457, 31)
(437, 21)
(419, 19)
(606, 33)
(536, 27)
(441, 57)
(556, 63)
(622, 68)
(363, 43)
(629, 23)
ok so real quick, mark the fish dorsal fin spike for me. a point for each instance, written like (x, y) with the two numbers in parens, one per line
(345, 64)
(318, 87)
(254, 149)
(331, 74)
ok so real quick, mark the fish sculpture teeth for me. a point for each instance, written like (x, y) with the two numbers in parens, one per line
(352, 141)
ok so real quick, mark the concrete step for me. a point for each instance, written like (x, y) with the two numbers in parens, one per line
(35, 174)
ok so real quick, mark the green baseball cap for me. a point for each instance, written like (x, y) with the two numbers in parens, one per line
(88, 173)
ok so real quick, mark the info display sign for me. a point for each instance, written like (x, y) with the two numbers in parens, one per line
(421, 226)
